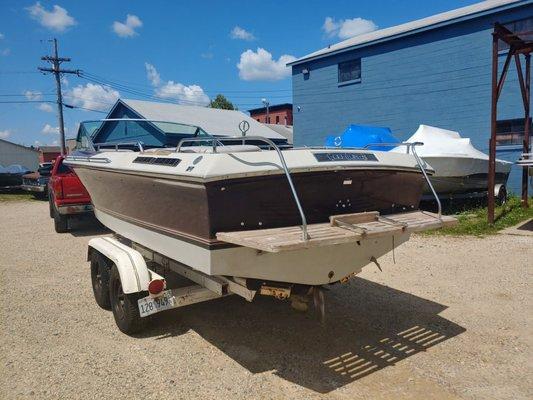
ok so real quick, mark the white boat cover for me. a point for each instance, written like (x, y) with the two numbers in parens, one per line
(442, 142)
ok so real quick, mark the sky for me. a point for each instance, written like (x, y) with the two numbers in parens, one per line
(176, 51)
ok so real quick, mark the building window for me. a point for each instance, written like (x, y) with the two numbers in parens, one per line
(511, 132)
(350, 71)
(277, 119)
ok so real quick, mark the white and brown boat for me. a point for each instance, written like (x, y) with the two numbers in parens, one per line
(226, 207)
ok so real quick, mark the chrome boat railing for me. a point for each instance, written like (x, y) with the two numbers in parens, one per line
(214, 141)
(412, 146)
(116, 145)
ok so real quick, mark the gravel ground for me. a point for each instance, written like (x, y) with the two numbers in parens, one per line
(450, 320)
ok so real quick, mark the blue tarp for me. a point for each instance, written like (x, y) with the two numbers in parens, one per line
(360, 136)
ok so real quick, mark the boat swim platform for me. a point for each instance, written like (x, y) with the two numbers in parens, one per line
(341, 229)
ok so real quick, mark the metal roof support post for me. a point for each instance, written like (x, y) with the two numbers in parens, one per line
(527, 124)
(493, 118)
(517, 45)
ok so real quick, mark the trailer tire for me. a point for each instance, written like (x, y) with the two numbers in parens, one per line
(100, 280)
(60, 222)
(501, 197)
(124, 306)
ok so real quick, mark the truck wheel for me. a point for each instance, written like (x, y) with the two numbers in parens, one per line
(60, 222)
(124, 306)
(51, 205)
(100, 280)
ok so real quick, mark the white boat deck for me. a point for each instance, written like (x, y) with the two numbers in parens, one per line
(341, 229)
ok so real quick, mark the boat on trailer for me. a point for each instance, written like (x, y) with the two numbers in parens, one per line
(241, 209)
(461, 170)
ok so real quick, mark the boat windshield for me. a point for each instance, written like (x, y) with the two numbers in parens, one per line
(128, 132)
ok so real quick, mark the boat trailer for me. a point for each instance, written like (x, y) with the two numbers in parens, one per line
(136, 282)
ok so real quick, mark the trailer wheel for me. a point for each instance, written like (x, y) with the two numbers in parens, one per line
(100, 280)
(60, 222)
(124, 306)
(501, 197)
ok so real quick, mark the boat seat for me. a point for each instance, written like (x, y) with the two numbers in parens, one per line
(221, 149)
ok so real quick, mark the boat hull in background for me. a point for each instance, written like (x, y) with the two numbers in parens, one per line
(463, 175)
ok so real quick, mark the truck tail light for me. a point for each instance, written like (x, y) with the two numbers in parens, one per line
(156, 286)
(58, 189)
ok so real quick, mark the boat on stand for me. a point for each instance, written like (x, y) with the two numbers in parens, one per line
(244, 209)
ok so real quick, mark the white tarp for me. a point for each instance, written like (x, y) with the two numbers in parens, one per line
(442, 142)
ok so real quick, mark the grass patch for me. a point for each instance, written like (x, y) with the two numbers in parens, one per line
(16, 196)
(473, 221)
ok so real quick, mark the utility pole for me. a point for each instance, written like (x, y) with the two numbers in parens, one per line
(56, 61)
(267, 105)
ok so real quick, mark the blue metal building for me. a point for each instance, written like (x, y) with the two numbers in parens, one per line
(434, 71)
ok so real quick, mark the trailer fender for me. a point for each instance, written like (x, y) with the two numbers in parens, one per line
(134, 274)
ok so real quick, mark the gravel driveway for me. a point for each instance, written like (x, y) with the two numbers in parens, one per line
(450, 320)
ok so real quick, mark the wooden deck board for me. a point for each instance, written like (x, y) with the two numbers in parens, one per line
(341, 229)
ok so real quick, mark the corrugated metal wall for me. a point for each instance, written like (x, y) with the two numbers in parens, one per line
(440, 77)
(12, 154)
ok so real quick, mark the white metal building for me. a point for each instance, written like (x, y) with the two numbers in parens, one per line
(12, 153)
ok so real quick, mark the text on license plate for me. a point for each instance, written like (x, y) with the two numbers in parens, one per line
(149, 305)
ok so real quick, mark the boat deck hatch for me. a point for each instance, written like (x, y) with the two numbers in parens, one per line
(341, 229)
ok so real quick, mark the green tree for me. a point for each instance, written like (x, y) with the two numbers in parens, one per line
(221, 102)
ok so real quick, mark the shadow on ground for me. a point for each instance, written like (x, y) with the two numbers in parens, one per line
(369, 327)
(86, 225)
(526, 226)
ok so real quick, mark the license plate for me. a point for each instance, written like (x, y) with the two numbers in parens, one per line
(149, 305)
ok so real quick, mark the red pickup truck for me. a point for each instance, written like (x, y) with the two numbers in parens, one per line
(67, 195)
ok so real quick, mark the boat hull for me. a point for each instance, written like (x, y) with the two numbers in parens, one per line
(310, 266)
(195, 212)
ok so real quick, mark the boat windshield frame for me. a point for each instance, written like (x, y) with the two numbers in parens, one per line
(84, 134)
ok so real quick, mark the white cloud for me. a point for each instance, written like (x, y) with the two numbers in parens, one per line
(127, 28)
(260, 66)
(6, 51)
(5, 134)
(45, 107)
(49, 129)
(33, 95)
(93, 96)
(347, 28)
(192, 94)
(239, 33)
(152, 74)
(2, 36)
(57, 19)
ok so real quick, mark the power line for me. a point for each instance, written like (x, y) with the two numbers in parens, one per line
(23, 95)
(25, 101)
(149, 96)
(84, 108)
(18, 72)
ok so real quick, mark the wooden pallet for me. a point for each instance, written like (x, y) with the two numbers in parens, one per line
(341, 229)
